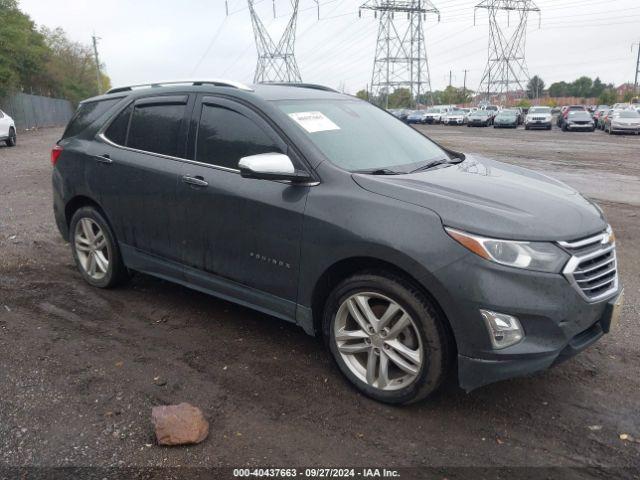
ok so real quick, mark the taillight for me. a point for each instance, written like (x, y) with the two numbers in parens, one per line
(55, 154)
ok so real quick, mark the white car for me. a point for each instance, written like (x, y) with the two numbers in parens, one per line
(538, 117)
(7, 130)
(456, 117)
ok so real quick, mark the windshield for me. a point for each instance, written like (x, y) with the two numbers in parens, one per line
(480, 113)
(507, 113)
(432, 110)
(628, 114)
(540, 110)
(457, 112)
(357, 136)
(579, 114)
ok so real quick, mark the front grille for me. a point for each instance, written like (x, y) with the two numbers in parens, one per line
(592, 268)
(538, 119)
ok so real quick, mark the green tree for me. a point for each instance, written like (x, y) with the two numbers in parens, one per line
(23, 52)
(400, 98)
(608, 97)
(581, 87)
(559, 89)
(362, 94)
(597, 88)
(71, 67)
(535, 87)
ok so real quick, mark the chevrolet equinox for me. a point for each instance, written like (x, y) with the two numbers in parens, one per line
(411, 260)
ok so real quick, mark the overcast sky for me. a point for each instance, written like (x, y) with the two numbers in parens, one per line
(145, 40)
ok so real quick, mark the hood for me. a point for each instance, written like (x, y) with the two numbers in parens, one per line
(494, 199)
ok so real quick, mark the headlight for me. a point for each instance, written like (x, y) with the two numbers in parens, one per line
(539, 256)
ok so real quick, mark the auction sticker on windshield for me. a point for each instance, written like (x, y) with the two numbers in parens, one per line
(313, 122)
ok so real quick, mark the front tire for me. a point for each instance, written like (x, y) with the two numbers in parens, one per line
(12, 141)
(95, 250)
(387, 338)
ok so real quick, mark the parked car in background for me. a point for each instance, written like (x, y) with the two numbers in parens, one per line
(492, 109)
(565, 113)
(621, 106)
(601, 110)
(481, 118)
(415, 116)
(538, 117)
(456, 117)
(623, 121)
(8, 133)
(244, 192)
(603, 118)
(506, 119)
(521, 114)
(435, 114)
(578, 120)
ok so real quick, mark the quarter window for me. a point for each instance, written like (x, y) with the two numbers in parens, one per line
(225, 136)
(86, 114)
(156, 128)
(117, 131)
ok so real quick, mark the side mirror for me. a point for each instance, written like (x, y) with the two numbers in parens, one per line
(271, 166)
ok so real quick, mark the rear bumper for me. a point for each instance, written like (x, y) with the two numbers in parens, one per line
(476, 372)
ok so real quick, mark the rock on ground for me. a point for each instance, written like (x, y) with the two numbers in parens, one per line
(181, 424)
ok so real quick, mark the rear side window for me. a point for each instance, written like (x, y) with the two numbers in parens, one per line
(225, 136)
(156, 128)
(86, 114)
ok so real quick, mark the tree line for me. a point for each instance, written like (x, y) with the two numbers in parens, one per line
(43, 61)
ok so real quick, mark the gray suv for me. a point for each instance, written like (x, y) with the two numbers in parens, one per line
(413, 262)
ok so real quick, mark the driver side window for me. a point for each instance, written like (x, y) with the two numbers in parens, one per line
(225, 136)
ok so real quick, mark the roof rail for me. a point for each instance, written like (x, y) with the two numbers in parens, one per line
(216, 82)
(314, 86)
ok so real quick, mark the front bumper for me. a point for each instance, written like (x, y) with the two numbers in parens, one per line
(538, 124)
(552, 312)
(625, 128)
(476, 372)
(573, 126)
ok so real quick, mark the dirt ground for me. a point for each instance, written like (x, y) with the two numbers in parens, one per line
(80, 368)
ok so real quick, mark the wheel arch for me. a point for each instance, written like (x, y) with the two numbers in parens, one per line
(347, 267)
(78, 202)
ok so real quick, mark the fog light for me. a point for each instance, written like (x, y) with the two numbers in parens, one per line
(504, 330)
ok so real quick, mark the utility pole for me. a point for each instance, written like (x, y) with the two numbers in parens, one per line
(464, 86)
(401, 54)
(635, 85)
(95, 52)
(450, 74)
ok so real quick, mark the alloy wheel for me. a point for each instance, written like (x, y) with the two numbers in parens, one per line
(378, 341)
(91, 248)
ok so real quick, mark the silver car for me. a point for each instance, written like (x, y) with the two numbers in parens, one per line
(623, 121)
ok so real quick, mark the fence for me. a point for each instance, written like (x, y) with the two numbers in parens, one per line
(35, 111)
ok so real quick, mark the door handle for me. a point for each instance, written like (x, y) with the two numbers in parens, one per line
(197, 181)
(103, 158)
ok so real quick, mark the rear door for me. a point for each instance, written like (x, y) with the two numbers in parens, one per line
(137, 166)
(244, 230)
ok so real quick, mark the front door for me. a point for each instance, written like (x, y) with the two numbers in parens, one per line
(247, 231)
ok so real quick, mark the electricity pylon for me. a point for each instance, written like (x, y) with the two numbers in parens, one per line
(506, 68)
(276, 62)
(401, 54)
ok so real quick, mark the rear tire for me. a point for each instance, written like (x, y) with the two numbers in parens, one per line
(95, 249)
(12, 141)
(400, 360)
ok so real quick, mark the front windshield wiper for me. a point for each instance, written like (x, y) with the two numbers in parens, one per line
(380, 171)
(435, 163)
